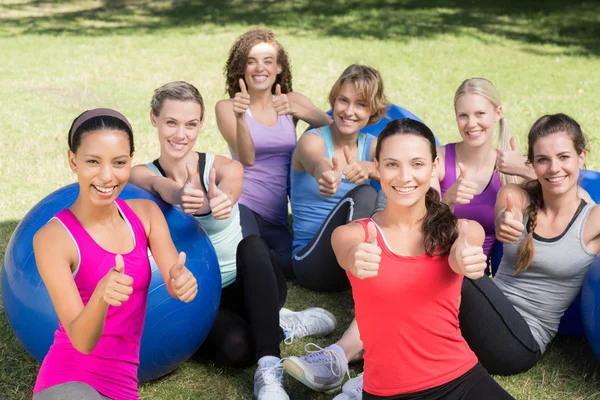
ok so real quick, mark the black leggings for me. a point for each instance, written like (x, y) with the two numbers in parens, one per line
(476, 384)
(495, 330)
(247, 324)
(315, 265)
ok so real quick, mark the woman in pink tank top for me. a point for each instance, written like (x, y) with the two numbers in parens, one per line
(259, 126)
(93, 259)
(406, 266)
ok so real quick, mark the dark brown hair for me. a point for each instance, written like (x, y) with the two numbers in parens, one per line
(97, 120)
(544, 126)
(439, 224)
(238, 57)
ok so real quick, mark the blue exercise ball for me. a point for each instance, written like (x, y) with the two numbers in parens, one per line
(590, 306)
(571, 324)
(173, 330)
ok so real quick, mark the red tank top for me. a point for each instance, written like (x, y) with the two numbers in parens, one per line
(408, 321)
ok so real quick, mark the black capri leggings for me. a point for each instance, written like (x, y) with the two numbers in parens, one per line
(247, 324)
(475, 384)
(495, 330)
(315, 266)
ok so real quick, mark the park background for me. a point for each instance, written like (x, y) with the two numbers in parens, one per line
(59, 58)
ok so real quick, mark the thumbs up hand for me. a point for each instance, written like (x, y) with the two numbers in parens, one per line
(183, 282)
(220, 202)
(116, 287)
(367, 255)
(190, 195)
(510, 226)
(462, 191)
(510, 162)
(330, 179)
(470, 259)
(281, 103)
(353, 171)
(241, 100)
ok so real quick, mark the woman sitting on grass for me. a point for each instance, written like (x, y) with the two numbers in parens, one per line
(406, 265)
(329, 166)
(93, 259)
(259, 124)
(551, 236)
(247, 326)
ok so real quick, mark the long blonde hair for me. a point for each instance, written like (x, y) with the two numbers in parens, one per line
(486, 89)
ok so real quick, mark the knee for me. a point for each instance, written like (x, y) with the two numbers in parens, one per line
(237, 350)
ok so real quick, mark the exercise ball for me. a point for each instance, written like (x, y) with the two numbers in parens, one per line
(173, 330)
(571, 324)
(590, 306)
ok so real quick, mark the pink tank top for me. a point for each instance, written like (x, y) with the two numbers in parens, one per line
(111, 368)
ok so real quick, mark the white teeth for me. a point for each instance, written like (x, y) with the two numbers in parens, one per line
(105, 190)
(559, 179)
(177, 146)
(260, 79)
(474, 133)
(404, 189)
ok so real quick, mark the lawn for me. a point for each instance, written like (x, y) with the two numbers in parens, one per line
(60, 58)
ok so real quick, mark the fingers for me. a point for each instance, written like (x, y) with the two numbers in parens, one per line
(119, 264)
(328, 183)
(367, 257)
(463, 171)
(355, 174)
(372, 233)
(278, 90)
(510, 231)
(221, 206)
(185, 286)
(243, 88)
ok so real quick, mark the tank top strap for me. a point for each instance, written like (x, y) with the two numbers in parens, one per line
(326, 135)
(205, 162)
(79, 235)
(365, 141)
(450, 162)
(134, 222)
(156, 168)
(365, 224)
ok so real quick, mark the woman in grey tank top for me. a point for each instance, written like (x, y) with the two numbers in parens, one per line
(551, 237)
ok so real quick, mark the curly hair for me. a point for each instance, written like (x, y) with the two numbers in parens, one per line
(238, 57)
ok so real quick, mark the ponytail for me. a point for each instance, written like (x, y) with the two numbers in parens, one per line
(526, 249)
(439, 225)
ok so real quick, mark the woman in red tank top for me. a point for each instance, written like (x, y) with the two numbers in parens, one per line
(406, 266)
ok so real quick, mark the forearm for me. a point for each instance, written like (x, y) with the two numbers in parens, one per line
(86, 330)
(167, 190)
(244, 145)
(312, 116)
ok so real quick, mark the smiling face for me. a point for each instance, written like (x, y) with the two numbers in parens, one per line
(102, 164)
(350, 110)
(405, 168)
(475, 117)
(556, 163)
(261, 67)
(178, 125)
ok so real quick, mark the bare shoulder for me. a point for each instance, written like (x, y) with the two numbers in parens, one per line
(142, 207)
(141, 170)
(53, 241)
(224, 105)
(350, 233)
(310, 139)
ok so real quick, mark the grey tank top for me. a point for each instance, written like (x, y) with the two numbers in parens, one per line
(543, 292)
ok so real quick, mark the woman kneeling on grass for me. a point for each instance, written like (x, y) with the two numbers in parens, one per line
(406, 265)
(551, 236)
(93, 259)
(247, 326)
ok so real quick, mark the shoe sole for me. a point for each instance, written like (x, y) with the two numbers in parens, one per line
(296, 372)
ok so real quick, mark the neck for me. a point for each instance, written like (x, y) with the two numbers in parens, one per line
(565, 202)
(476, 157)
(88, 214)
(405, 218)
(339, 140)
(175, 168)
(261, 100)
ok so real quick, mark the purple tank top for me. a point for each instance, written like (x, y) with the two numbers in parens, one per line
(265, 185)
(481, 208)
(111, 368)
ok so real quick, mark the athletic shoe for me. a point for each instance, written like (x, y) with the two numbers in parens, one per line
(268, 382)
(310, 322)
(352, 389)
(321, 370)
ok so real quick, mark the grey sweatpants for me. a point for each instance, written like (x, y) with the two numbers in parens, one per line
(70, 391)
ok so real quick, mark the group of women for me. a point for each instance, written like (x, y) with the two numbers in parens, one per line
(416, 254)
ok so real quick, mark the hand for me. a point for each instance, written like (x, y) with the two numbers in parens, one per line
(281, 103)
(221, 203)
(330, 179)
(241, 101)
(116, 287)
(462, 191)
(510, 228)
(353, 171)
(190, 195)
(367, 255)
(510, 162)
(470, 259)
(183, 282)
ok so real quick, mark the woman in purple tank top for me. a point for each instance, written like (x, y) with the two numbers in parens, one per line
(93, 259)
(259, 124)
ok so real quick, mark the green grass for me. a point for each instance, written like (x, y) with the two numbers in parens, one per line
(60, 58)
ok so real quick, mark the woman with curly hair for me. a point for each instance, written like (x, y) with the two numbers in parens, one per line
(258, 122)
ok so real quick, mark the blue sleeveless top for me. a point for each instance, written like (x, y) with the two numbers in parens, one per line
(309, 208)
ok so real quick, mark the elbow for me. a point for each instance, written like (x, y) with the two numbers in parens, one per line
(247, 161)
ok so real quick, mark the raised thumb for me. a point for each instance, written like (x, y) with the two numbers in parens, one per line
(463, 232)
(372, 233)
(278, 90)
(348, 156)
(189, 173)
(119, 264)
(513, 145)
(463, 171)
(335, 164)
(243, 86)
(212, 185)
(510, 203)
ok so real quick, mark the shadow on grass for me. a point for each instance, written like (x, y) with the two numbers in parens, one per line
(574, 25)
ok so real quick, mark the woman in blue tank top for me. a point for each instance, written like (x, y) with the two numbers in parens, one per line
(551, 236)
(328, 167)
(258, 121)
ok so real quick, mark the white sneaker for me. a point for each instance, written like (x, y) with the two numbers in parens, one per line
(268, 383)
(321, 370)
(352, 389)
(310, 322)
